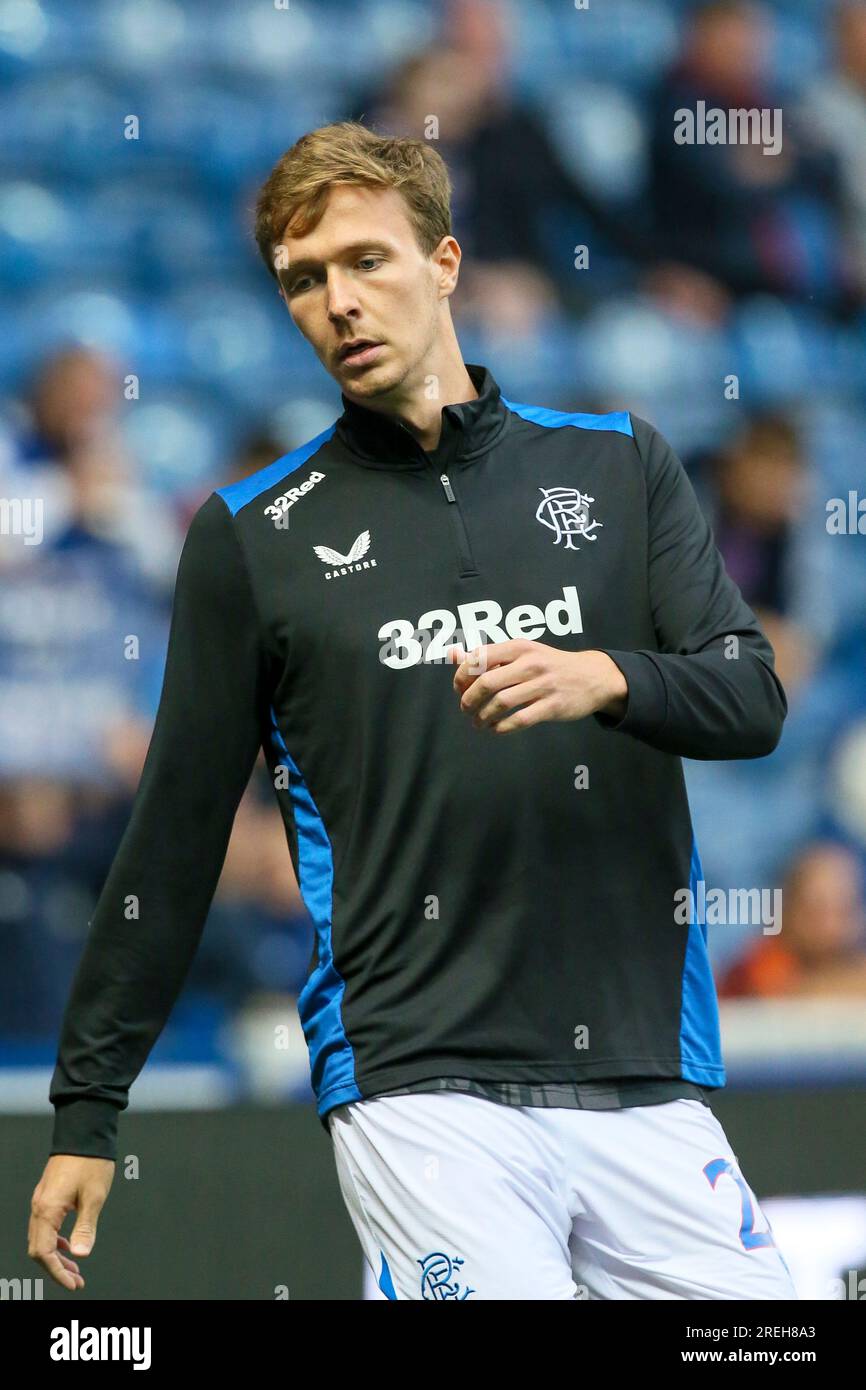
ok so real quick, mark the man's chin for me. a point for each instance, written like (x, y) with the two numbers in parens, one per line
(376, 380)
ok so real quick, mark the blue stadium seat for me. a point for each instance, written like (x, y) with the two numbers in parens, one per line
(599, 131)
(168, 231)
(100, 315)
(159, 36)
(225, 330)
(71, 117)
(179, 438)
(779, 346)
(623, 41)
(38, 235)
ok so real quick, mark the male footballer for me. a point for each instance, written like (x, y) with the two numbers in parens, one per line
(474, 639)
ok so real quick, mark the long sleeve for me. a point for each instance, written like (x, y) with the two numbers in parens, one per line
(150, 914)
(701, 695)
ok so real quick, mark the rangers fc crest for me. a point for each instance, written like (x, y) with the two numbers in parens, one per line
(565, 511)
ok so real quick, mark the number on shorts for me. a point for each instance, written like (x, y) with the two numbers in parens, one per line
(751, 1239)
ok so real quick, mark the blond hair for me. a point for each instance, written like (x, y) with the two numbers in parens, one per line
(294, 194)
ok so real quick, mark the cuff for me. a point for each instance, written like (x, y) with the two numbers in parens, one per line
(85, 1127)
(647, 700)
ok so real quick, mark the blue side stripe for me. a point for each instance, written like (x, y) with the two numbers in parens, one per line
(386, 1283)
(618, 420)
(237, 495)
(700, 1039)
(332, 1061)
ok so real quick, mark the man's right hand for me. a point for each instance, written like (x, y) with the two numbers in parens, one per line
(70, 1182)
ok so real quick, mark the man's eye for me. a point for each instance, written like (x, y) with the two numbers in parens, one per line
(375, 259)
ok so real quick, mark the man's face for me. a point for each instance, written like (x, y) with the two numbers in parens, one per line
(360, 274)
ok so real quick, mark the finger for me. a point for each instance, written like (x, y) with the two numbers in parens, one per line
(523, 718)
(84, 1233)
(485, 658)
(42, 1237)
(43, 1229)
(63, 1247)
(512, 674)
(505, 702)
(470, 665)
(53, 1265)
(71, 1269)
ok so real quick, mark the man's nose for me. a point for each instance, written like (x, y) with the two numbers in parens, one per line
(341, 294)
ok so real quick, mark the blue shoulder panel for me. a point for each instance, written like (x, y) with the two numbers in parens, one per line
(618, 420)
(237, 495)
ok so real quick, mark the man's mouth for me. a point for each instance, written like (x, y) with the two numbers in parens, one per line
(360, 351)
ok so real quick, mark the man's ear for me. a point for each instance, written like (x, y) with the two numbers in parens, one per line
(447, 258)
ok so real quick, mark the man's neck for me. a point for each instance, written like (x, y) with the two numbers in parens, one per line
(420, 410)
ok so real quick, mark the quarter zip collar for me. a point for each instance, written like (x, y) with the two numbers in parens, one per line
(469, 429)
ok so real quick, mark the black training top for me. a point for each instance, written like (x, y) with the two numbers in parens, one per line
(500, 909)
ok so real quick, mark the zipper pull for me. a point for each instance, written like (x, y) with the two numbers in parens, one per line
(443, 478)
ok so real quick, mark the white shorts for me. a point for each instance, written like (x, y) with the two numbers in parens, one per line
(455, 1196)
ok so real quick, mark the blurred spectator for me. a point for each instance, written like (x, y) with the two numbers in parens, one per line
(759, 491)
(756, 221)
(82, 649)
(72, 400)
(518, 211)
(758, 494)
(836, 108)
(71, 454)
(821, 949)
(82, 628)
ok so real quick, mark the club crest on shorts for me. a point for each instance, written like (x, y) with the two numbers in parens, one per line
(437, 1277)
(565, 511)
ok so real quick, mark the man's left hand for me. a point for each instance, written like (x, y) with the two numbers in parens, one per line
(495, 678)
